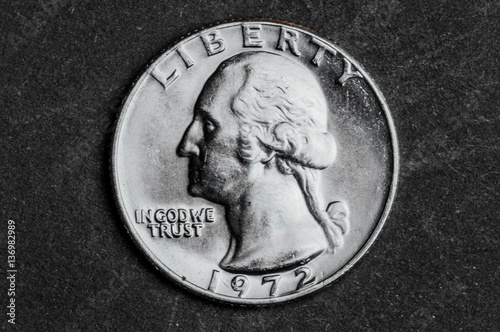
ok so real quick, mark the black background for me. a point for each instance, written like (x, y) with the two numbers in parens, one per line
(65, 68)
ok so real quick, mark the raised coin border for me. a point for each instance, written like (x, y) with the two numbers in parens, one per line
(197, 289)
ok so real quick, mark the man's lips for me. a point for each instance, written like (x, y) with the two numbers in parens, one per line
(194, 175)
(195, 170)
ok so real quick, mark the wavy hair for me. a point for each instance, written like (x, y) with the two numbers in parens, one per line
(283, 116)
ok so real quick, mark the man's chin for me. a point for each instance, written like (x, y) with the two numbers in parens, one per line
(195, 190)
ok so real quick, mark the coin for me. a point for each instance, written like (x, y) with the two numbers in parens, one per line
(254, 162)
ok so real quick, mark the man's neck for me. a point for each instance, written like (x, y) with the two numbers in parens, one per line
(271, 225)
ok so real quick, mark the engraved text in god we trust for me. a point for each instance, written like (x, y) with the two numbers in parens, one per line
(175, 223)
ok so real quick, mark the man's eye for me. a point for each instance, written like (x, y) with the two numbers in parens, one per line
(209, 127)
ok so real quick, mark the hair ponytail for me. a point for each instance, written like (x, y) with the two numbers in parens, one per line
(334, 221)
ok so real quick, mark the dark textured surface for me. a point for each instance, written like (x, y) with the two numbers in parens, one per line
(65, 70)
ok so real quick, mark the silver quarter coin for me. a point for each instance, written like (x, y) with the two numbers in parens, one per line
(254, 162)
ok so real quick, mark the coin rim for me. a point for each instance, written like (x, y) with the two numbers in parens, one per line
(198, 289)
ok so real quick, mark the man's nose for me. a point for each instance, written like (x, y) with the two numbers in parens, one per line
(189, 144)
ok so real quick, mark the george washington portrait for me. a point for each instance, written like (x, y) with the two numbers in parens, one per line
(257, 145)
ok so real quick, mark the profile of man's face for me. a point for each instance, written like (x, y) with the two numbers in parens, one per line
(259, 119)
(216, 172)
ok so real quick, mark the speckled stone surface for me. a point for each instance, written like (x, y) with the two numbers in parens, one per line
(67, 65)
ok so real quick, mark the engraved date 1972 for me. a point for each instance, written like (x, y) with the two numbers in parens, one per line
(241, 284)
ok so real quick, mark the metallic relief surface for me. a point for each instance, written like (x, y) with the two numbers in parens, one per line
(257, 145)
(254, 162)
